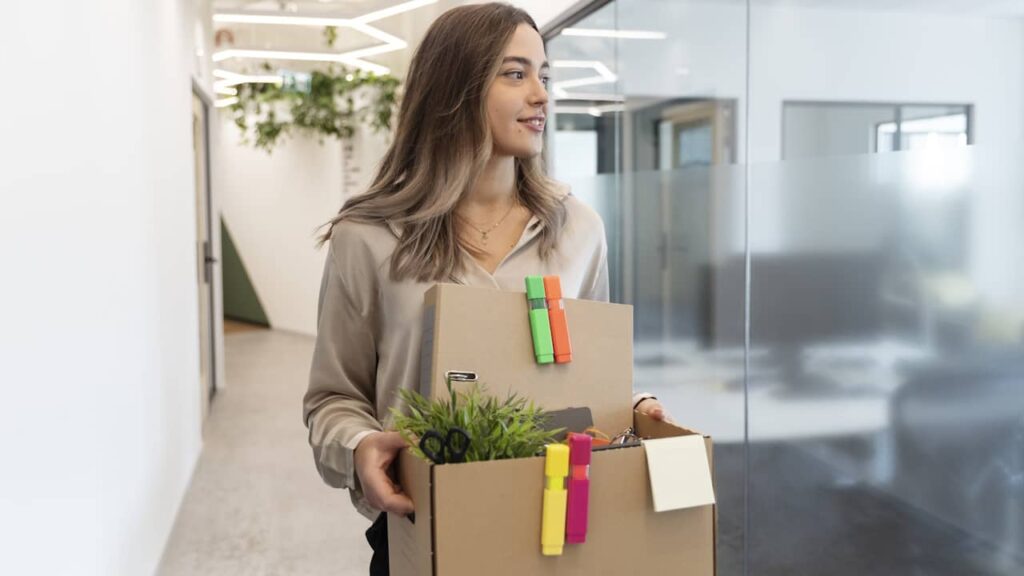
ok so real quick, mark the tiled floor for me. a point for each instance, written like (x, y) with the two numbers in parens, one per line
(256, 505)
(235, 326)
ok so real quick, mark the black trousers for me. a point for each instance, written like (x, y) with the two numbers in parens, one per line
(377, 536)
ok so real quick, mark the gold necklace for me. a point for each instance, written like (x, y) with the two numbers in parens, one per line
(484, 233)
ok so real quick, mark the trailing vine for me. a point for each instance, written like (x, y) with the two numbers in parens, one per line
(325, 103)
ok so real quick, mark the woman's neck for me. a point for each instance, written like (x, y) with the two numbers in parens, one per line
(496, 186)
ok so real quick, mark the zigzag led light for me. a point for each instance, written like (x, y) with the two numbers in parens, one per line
(352, 58)
(604, 76)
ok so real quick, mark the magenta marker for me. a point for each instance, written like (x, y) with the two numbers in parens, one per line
(579, 488)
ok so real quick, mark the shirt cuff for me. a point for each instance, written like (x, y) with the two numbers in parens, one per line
(640, 396)
(354, 442)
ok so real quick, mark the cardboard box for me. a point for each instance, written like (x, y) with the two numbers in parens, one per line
(485, 517)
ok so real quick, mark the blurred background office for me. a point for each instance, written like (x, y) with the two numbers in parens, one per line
(815, 207)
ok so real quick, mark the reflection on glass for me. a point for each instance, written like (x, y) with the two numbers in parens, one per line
(925, 128)
(837, 128)
(887, 377)
(886, 321)
(886, 385)
(652, 141)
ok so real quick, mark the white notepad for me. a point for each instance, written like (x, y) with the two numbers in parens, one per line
(679, 471)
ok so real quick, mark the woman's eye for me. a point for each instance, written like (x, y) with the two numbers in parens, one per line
(545, 80)
(516, 74)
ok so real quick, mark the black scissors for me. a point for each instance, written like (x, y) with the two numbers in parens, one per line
(445, 449)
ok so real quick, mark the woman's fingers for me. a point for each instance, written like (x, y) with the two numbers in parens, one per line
(374, 456)
(384, 495)
(654, 409)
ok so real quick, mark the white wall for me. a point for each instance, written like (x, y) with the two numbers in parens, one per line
(272, 204)
(99, 368)
(800, 53)
(834, 55)
(828, 55)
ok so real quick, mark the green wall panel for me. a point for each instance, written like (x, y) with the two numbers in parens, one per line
(240, 300)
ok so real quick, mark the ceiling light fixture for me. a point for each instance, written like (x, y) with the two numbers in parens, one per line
(595, 111)
(591, 97)
(604, 76)
(396, 9)
(621, 34)
(228, 78)
(353, 58)
(303, 56)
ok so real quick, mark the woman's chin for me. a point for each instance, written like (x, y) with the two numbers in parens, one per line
(528, 153)
(521, 152)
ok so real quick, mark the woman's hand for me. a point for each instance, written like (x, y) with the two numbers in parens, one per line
(651, 407)
(373, 457)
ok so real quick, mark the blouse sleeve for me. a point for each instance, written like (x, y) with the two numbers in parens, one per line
(339, 406)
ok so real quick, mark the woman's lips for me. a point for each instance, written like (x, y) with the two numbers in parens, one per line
(535, 124)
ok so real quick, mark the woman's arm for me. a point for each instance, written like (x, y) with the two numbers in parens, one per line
(339, 406)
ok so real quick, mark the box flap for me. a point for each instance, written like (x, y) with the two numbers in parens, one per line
(409, 543)
(488, 331)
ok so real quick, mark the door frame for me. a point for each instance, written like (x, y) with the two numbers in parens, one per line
(212, 251)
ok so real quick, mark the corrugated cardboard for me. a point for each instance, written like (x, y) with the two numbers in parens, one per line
(485, 517)
(488, 331)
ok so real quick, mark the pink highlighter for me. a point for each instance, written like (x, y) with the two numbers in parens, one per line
(579, 488)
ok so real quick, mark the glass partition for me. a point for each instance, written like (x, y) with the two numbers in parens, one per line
(648, 102)
(816, 210)
(886, 375)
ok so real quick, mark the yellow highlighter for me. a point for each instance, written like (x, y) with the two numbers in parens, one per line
(552, 531)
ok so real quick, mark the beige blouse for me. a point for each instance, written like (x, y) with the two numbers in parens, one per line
(369, 327)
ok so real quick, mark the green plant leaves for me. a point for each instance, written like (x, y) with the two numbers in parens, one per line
(327, 109)
(330, 35)
(511, 428)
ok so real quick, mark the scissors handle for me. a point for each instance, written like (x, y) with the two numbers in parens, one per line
(450, 448)
(433, 445)
(457, 444)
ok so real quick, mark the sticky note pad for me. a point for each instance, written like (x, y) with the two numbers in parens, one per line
(679, 471)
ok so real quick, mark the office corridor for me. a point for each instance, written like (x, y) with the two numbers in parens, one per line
(256, 504)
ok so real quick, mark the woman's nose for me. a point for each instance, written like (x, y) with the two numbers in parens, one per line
(539, 94)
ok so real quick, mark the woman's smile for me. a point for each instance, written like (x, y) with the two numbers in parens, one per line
(535, 123)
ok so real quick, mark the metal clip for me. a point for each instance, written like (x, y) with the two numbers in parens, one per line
(460, 376)
(627, 435)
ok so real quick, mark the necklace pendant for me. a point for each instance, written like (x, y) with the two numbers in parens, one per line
(483, 238)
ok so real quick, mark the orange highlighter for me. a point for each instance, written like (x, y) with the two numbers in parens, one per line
(556, 315)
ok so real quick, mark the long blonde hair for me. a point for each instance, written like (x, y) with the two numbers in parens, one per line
(443, 142)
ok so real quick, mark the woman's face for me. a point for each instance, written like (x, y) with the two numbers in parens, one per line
(518, 97)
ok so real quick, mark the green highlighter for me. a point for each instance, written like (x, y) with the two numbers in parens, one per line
(540, 325)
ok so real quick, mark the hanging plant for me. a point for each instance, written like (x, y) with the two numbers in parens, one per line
(323, 104)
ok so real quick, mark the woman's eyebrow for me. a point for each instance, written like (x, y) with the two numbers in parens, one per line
(524, 61)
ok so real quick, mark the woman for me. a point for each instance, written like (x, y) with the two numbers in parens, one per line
(461, 196)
